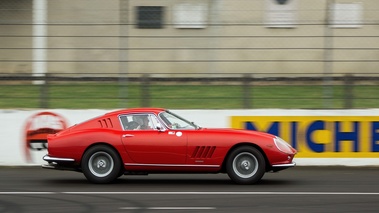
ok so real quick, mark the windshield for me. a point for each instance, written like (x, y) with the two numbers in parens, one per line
(175, 122)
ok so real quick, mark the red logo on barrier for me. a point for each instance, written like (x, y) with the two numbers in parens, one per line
(38, 127)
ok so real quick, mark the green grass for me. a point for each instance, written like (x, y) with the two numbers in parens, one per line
(185, 96)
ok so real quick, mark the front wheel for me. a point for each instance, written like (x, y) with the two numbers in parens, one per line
(101, 164)
(245, 165)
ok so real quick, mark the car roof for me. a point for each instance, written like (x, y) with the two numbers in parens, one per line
(136, 110)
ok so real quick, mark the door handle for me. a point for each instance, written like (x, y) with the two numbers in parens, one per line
(127, 135)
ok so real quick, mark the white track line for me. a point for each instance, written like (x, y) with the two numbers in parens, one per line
(189, 193)
(224, 193)
(168, 208)
(27, 193)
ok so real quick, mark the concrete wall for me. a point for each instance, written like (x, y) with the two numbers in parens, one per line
(12, 132)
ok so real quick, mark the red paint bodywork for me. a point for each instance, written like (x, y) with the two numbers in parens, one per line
(200, 150)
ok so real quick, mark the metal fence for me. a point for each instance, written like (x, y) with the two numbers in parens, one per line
(188, 91)
(189, 54)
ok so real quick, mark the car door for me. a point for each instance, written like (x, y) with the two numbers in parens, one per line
(153, 146)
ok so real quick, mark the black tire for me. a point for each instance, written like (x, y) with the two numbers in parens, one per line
(245, 165)
(101, 164)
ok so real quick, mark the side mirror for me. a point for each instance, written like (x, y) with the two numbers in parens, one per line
(160, 127)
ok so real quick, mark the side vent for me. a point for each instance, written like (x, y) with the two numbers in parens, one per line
(106, 123)
(203, 152)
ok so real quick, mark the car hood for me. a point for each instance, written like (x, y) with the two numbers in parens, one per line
(238, 132)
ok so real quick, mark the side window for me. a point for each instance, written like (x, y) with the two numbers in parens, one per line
(139, 121)
(128, 123)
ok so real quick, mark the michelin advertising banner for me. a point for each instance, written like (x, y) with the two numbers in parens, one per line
(320, 136)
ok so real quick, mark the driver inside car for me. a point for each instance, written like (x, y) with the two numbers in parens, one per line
(143, 121)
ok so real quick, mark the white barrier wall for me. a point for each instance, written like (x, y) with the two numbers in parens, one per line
(12, 131)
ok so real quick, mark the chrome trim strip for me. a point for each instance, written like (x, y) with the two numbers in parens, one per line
(285, 165)
(48, 158)
(171, 165)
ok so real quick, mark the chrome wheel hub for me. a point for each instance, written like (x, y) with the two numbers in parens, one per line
(245, 165)
(101, 164)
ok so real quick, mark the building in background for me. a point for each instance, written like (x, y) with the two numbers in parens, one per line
(285, 37)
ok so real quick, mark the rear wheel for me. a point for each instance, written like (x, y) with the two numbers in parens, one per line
(101, 164)
(245, 165)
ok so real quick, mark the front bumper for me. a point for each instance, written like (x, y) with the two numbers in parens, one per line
(279, 167)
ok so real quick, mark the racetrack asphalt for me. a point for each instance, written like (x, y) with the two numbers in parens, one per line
(299, 189)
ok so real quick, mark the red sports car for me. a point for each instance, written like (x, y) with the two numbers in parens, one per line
(153, 140)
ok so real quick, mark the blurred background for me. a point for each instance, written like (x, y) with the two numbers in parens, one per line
(189, 54)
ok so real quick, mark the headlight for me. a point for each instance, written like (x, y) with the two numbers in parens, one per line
(283, 146)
